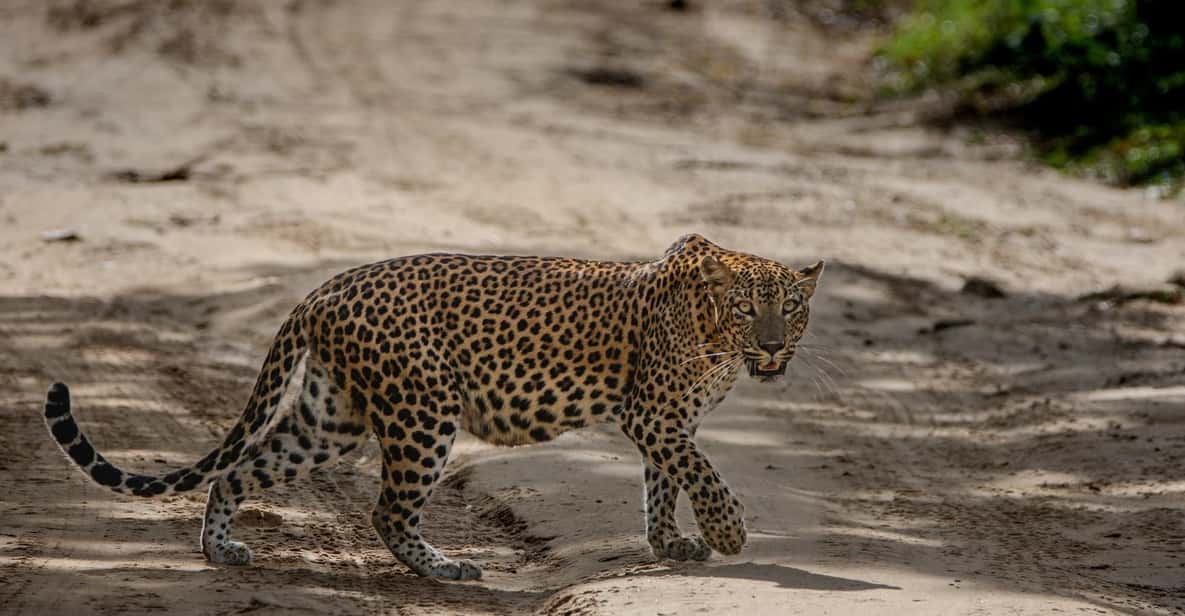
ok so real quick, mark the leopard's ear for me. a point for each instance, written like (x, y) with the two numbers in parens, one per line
(716, 274)
(809, 278)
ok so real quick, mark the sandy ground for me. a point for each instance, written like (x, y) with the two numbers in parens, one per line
(936, 451)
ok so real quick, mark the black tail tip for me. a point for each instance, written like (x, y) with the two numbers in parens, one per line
(58, 392)
(57, 402)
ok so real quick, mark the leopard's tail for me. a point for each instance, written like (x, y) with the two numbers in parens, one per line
(257, 419)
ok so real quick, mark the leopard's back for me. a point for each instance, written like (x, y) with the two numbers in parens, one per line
(534, 346)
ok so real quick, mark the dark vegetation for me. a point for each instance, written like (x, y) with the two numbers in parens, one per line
(1099, 83)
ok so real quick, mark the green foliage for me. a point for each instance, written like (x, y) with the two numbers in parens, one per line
(1101, 81)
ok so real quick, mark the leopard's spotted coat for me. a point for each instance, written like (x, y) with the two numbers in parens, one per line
(514, 350)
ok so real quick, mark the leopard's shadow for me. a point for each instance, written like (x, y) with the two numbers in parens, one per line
(783, 576)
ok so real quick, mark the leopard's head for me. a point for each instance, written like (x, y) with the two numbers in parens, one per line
(762, 308)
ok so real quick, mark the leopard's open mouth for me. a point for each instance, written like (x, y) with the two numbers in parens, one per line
(766, 369)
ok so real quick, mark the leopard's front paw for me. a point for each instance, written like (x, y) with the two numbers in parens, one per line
(723, 528)
(683, 548)
(728, 539)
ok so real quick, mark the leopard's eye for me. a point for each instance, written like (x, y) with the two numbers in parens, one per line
(790, 306)
(745, 307)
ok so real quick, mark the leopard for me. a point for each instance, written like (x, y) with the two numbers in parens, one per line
(513, 350)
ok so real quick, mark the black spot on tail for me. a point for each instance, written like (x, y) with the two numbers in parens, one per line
(151, 489)
(65, 431)
(190, 482)
(145, 485)
(82, 453)
(207, 463)
(232, 455)
(57, 403)
(107, 475)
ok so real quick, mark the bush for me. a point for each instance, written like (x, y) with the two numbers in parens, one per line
(1101, 82)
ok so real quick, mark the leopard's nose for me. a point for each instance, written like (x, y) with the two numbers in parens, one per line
(771, 347)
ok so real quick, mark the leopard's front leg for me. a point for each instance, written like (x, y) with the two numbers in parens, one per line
(662, 530)
(667, 447)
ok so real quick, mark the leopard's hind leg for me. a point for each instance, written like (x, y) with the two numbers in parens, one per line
(416, 432)
(323, 427)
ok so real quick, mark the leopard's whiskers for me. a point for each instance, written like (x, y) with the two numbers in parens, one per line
(827, 381)
(706, 355)
(723, 374)
(827, 361)
(722, 366)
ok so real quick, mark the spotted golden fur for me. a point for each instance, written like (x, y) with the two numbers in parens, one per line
(514, 350)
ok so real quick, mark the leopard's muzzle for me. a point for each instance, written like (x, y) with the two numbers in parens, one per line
(766, 370)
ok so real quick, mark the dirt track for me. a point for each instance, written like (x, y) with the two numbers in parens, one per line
(933, 452)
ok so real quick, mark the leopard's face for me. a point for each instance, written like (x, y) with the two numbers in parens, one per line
(762, 310)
